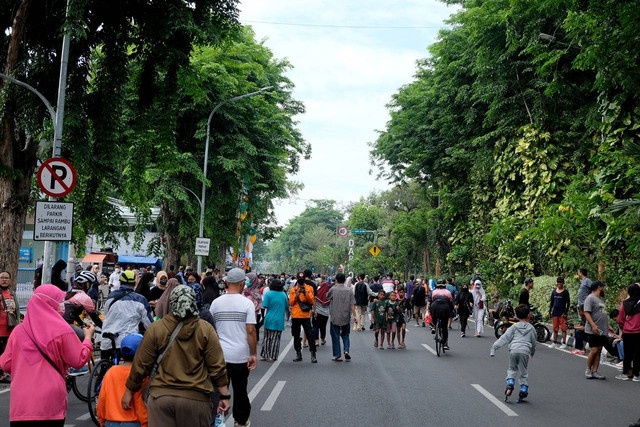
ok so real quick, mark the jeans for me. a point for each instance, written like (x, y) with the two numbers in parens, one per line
(238, 374)
(336, 333)
(361, 312)
(121, 424)
(296, 324)
(320, 326)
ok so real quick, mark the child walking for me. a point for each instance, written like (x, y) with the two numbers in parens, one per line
(379, 318)
(110, 412)
(521, 338)
(403, 308)
(392, 320)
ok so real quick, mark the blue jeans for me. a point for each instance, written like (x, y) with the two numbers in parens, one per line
(122, 424)
(336, 333)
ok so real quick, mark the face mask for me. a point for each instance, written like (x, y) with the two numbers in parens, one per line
(163, 282)
(60, 304)
(221, 285)
(247, 283)
(118, 270)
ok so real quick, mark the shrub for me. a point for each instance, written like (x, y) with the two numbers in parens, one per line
(541, 293)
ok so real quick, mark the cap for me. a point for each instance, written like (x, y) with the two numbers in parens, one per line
(130, 344)
(128, 278)
(595, 285)
(236, 275)
(560, 279)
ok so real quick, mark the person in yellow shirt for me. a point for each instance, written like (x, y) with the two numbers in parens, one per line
(110, 412)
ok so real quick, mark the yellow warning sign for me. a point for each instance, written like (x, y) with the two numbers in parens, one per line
(375, 250)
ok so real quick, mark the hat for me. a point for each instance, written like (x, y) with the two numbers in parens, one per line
(560, 279)
(236, 275)
(595, 285)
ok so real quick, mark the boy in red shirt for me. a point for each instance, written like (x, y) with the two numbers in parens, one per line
(110, 412)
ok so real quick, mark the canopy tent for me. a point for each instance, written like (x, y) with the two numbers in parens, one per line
(99, 258)
(139, 260)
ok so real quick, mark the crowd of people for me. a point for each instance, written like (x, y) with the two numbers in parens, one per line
(184, 319)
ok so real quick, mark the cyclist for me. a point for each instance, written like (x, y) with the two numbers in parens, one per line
(125, 313)
(77, 300)
(441, 307)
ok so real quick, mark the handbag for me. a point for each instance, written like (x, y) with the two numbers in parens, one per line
(156, 365)
(12, 319)
(304, 306)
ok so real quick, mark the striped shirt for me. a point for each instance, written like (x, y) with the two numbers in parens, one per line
(231, 314)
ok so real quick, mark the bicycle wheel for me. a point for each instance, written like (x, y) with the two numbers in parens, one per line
(80, 386)
(438, 339)
(93, 387)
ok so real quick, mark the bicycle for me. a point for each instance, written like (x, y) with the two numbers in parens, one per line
(438, 338)
(77, 383)
(99, 371)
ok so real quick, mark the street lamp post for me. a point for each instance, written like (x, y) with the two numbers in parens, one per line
(206, 158)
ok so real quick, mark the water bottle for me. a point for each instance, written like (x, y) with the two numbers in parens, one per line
(219, 421)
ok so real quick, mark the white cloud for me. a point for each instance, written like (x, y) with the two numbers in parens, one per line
(344, 76)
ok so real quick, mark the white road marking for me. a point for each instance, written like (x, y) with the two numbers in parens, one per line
(5, 390)
(504, 408)
(69, 425)
(268, 404)
(84, 417)
(260, 384)
(429, 348)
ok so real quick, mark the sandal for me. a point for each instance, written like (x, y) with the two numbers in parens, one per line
(337, 359)
(323, 342)
(264, 359)
(375, 344)
(381, 348)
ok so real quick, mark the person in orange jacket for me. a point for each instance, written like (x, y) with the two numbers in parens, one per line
(110, 412)
(301, 300)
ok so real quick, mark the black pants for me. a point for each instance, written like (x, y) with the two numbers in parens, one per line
(238, 374)
(41, 423)
(463, 320)
(320, 326)
(442, 312)
(259, 323)
(296, 323)
(631, 361)
(580, 336)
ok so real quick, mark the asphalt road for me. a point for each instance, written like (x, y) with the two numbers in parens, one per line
(414, 387)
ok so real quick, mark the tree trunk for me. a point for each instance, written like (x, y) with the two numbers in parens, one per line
(17, 158)
(172, 250)
(437, 266)
(426, 262)
(222, 256)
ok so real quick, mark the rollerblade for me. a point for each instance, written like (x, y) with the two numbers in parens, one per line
(524, 392)
(507, 391)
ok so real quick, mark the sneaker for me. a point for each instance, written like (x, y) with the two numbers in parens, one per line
(597, 376)
(588, 374)
(76, 372)
(619, 365)
(552, 345)
(636, 379)
(461, 334)
(622, 377)
(579, 352)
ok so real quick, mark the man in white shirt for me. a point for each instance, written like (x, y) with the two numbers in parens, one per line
(388, 285)
(234, 317)
(114, 278)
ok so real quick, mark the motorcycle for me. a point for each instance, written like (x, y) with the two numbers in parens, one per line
(507, 318)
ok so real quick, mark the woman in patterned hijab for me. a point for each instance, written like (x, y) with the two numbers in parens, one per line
(182, 302)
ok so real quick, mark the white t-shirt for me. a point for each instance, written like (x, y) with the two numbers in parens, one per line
(114, 281)
(231, 314)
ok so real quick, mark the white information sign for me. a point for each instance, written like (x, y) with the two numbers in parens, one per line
(54, 221)
(202, 246)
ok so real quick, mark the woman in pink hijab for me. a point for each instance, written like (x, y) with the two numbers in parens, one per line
(39, 353)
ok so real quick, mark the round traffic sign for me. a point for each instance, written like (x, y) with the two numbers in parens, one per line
(343, 231)
(56, 177)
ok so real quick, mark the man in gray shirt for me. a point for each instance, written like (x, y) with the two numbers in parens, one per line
(342, 305)
(597, 328)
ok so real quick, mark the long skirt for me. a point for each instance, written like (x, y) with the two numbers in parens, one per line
(271, 344)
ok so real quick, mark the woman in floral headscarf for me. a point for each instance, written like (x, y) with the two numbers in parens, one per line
(254, 293)
(182, 389)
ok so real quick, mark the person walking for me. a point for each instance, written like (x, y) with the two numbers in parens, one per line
(9, 316)
(39, 353)
(361, 295)
(409, 286)
(301, 300)
(180, 392)
(596, 329)
(479, 302)
(254, 294)
(321, 315)
(629, 321)
(235, 319)
(342, 305)
(558, 311)
(464, 307)
(419, 303)
(275, 302)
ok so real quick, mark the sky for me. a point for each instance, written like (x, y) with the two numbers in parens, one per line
(345, 77)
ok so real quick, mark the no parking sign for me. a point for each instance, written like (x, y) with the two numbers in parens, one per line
(56, 177)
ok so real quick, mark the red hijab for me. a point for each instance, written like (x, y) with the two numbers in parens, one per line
(322, 293)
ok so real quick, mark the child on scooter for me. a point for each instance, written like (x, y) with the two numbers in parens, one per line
(521, 338)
